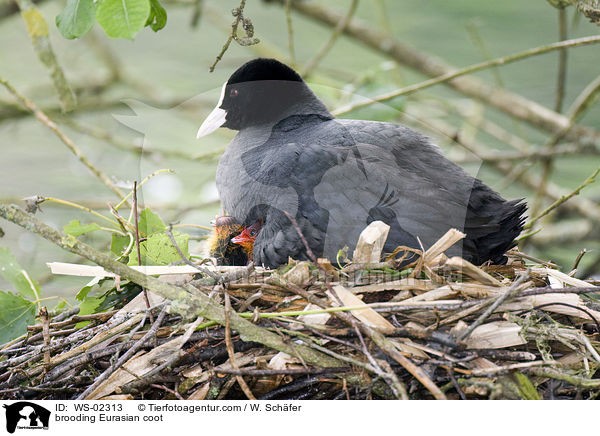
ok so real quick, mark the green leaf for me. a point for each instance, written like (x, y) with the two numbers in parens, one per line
(83, 292)
(123, 18)
(158, 249)
(77, 18)
(116, 299)
(60, 306)
(75, 228)
(89, 306)
(158, 16)
(526, 389)
(15, 274)
(89, 303)
(150, 223)
(16, 314)
(118, 243)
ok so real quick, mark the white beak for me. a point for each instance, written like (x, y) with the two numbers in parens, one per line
(215, 119)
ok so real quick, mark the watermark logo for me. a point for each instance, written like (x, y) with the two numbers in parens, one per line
(26, 415)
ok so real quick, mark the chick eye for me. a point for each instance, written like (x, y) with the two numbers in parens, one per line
(233, 93)
(252, 232)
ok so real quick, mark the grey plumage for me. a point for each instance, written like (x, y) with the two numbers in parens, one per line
(335, 176)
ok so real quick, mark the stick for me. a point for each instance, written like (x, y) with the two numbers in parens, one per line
(231, 352)
(137, 245)
(337, 31)
(495, 305)
(591, 179)
(43, 118)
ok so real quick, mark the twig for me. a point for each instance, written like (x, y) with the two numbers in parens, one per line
(511, 291)
(473, 29)
(591, 179)
(584, 383)
(46, 335)
(461, 394)
(41, 116)
(292, 387)
(129, 146)
(197, 13)
(290, 29)
(497, 370)
(562, 60)
(83, 359)
(148, 177)
(255, 372)
(137, 245)
(468, 70)
(549, 290)
(578, 259)
(154, 374)
(264, 49)
(572, 306)
(406, 363)
(70, 342)
(539, 153)
(394, 382)
(309, 251)
(581, 104)
(516, 253)
(397, 387)
(337, 31)
(171, 391)
(37, 200)
(185, 260)
(38, 31)
(150, 334)
(249, 39)
(231, 352)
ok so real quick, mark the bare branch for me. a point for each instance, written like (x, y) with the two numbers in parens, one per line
(450, 75)
(510, 103)
(337, 31)
(65, 139)
(38, 31)
(591, 179)
(249, 39)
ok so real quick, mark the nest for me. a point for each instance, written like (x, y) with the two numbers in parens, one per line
(436, 327)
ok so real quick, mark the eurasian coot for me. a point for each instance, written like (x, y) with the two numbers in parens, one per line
(335, 176)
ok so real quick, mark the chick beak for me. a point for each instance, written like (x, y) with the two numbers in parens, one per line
(242, 238)
(215, 119)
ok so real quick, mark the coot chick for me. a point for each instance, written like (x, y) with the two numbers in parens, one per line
(221, 246)
(247, 238)
(335, 176)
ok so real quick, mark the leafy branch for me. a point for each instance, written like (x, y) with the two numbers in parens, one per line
(118, 18)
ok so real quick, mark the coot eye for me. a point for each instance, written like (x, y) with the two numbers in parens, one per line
(252, 232)
(233, 93)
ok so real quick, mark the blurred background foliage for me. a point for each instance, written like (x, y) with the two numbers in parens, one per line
(140, 101)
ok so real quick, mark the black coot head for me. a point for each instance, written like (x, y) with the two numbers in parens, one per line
(259, 92)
